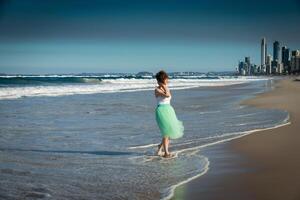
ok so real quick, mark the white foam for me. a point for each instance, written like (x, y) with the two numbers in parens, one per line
(228, 139)
(171, 189)
(144, 146)
(114, 85)
(210, 112)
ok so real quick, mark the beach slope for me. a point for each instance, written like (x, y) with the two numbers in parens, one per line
(276, 152)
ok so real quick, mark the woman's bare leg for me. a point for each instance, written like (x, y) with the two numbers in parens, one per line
(160, 148)
(166, 145)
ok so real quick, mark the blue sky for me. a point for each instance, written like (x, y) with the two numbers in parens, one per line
(131, 36)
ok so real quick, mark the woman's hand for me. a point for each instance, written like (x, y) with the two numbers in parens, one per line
(165, 89)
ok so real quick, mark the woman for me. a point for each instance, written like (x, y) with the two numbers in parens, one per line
(170, 127)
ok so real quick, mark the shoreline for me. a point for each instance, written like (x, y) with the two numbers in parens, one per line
(244, 153)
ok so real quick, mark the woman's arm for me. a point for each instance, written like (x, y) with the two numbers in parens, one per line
(166, 89)
(165, 92)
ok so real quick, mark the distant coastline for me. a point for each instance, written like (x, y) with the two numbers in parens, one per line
(127, 74)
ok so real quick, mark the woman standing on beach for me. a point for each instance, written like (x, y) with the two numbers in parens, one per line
(170, 127)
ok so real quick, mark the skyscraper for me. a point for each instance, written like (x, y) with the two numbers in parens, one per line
(283, 48)
(263, 48)
(295, 61)
(248, 65)
(269, 64)
(242, 68)
(276, 51)
(285, 57)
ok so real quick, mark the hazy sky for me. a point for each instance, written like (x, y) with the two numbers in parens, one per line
(136, 35)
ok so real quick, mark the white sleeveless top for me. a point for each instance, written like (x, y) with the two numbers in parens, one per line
(163, 100)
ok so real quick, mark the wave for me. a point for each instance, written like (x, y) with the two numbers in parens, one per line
(59, 79)
(144, 146)
(13, 87)
(41, 80)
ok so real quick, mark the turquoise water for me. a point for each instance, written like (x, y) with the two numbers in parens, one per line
(101, 145)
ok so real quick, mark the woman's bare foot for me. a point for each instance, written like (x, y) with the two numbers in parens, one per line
(167, 155)
(159, 149)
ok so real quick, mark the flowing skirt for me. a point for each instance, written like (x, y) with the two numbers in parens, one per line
(167, 122)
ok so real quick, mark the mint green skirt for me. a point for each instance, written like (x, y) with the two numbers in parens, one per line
(167, 122)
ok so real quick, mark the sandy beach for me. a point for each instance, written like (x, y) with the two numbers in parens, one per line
(262, 165)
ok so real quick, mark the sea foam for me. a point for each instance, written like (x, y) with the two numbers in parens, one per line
(95, 85)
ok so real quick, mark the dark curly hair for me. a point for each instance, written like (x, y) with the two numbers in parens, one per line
(161, 76)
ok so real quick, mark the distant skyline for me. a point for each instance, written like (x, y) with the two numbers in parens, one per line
(132, 36)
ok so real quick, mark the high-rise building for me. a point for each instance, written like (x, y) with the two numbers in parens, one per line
(295, 61)
(247, 60)
(242, 68)
(254, 69)
(248, 65)
(274, 65)
(285, 57)
(276, 54)
(263, 49)
(283, 48)
(298, 63)
(279, 68)
(276, 51)
(269, 64)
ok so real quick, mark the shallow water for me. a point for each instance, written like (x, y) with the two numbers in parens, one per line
(89, 146)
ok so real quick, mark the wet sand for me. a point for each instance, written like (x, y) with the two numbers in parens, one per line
(263, 165)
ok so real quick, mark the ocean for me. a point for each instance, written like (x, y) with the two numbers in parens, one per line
(94, 137)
